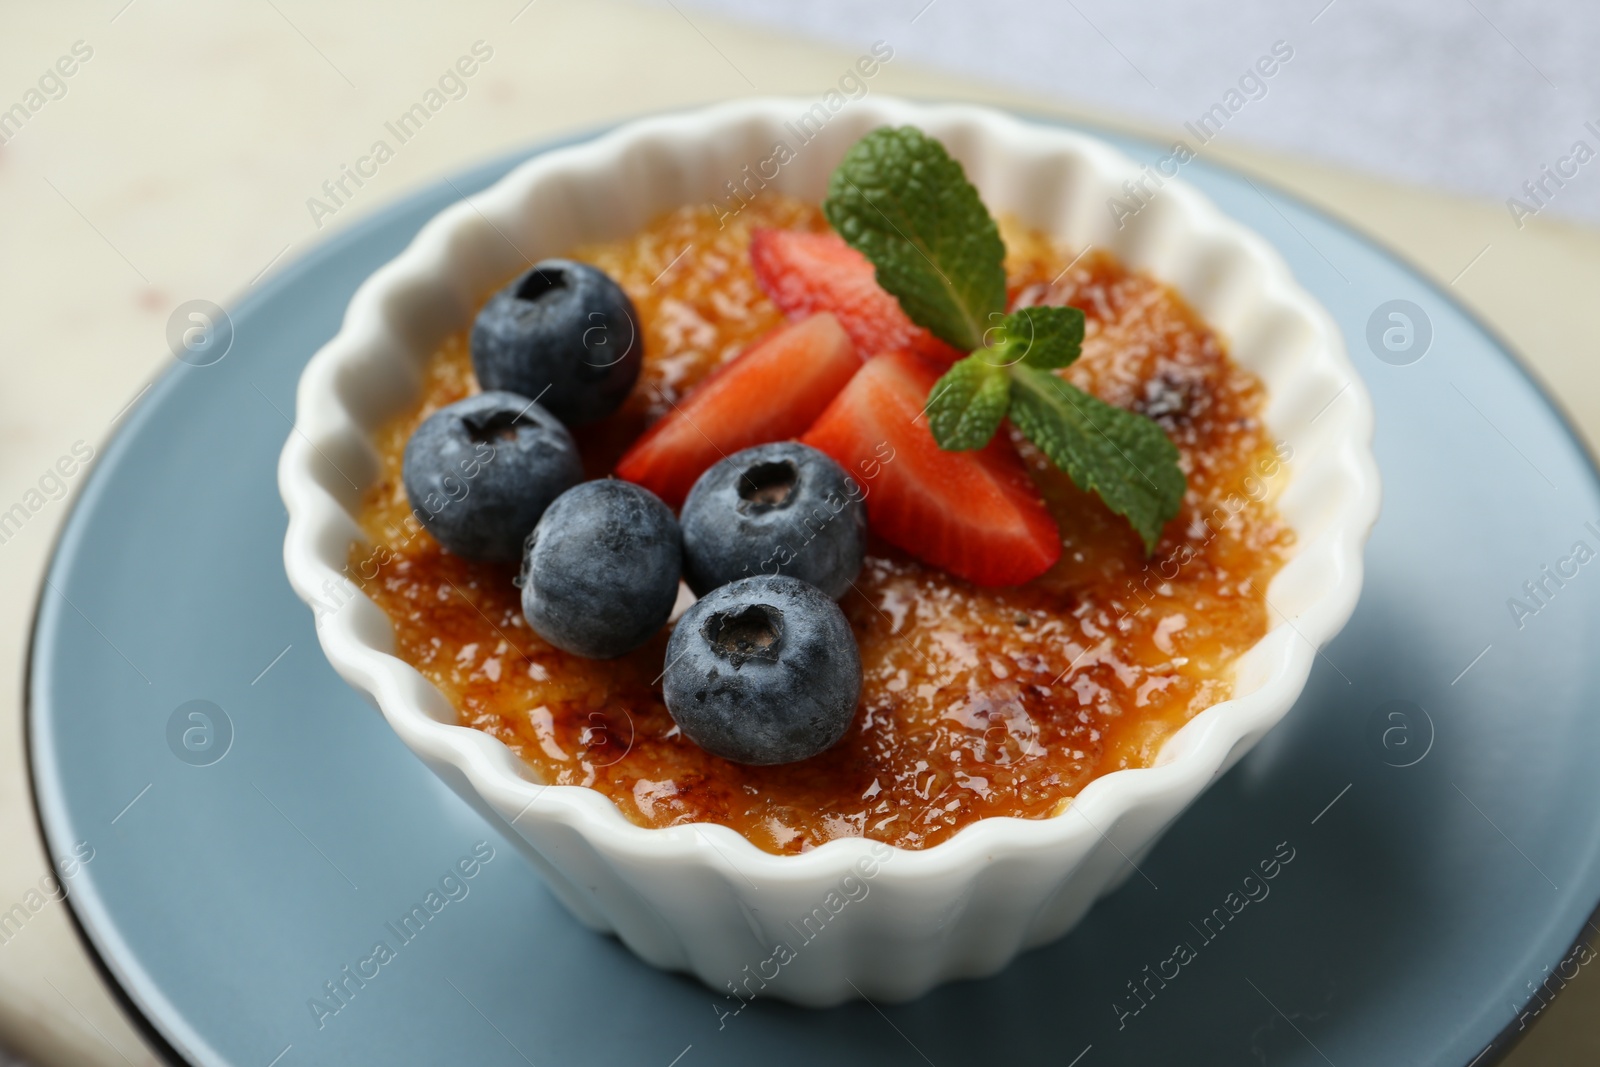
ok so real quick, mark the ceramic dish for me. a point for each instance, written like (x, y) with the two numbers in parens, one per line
(702, 898)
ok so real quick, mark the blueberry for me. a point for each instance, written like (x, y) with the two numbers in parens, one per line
(782, 508)
(763, 670)
(481, 471)
(600, 571)
(565, 334)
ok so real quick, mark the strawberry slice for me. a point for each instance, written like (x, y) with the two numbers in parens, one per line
(976, 514)
(770, 392)
(806, 272)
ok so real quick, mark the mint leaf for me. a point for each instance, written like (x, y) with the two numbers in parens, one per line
(967, 404)
(1043, 337)
(900, 200)
(1121, 455)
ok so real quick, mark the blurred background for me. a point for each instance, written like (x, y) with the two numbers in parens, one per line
(1472, 96)
(154, 152)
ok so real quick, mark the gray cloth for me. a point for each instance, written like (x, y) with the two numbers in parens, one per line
(1474, 96)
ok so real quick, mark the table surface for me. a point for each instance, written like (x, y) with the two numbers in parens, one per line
(177, 162)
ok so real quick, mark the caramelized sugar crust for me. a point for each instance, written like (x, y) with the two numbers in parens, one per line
(975, 702)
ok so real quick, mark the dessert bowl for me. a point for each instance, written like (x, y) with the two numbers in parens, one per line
(853, 917)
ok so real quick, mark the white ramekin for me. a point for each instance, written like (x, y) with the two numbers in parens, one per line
(852, 918)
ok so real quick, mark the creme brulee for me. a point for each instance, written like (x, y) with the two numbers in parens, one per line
(975, 702)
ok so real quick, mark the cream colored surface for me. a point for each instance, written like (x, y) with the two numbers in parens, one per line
(178, 165)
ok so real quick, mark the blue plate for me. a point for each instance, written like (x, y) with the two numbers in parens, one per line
(257, 830)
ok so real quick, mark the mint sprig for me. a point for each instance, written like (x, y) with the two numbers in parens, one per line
(968, 404)
(899, 199)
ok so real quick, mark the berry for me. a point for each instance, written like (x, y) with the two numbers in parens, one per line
(480, 472)
(976, 514)
(772, 391)
(781, 508)
(564, 334)
(600, 571)
(764, 670)
(805, 273)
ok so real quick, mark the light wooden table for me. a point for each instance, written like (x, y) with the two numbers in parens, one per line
(176, 163)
